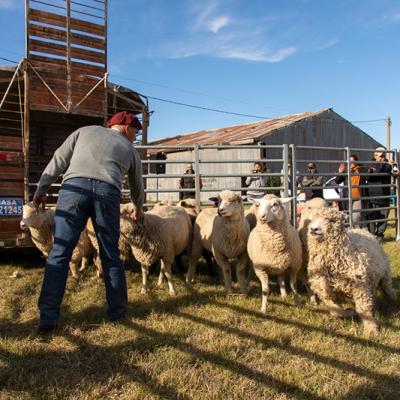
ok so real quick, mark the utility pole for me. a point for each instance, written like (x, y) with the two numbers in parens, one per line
(388, 124)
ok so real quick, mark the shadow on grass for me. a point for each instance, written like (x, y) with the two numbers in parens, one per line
(96, 360)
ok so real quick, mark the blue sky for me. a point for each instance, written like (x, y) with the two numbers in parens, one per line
(258, 57)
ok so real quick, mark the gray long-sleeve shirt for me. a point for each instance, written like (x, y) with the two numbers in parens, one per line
(98, 153)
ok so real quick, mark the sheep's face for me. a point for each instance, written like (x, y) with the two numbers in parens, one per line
(326, 223)
(311, 207)
(31, 217)
(228, 203)
(270, 209)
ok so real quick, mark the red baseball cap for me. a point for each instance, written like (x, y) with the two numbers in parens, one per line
(124, 118)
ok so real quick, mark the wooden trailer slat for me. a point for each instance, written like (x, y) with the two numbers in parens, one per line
(47, 32)
(88, 27)
(10, 143)
(47, 18)
(88, 41)
(88, 55)
(48, 47)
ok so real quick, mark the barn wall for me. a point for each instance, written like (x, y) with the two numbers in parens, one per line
(209, 183)
(326, 130)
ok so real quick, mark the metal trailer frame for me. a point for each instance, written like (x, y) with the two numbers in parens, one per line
(65, 86)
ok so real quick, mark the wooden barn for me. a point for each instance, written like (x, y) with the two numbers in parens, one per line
(323, 128)
(60, 86)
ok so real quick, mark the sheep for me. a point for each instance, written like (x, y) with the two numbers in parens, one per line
(346, 264)
(40, 223)
(274, 246)
(308, 208)
(123, 246)
(223, 231)
(163, 233)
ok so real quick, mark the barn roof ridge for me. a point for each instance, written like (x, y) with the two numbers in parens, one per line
(235, 133)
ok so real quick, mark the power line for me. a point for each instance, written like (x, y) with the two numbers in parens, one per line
(218, 110)
(196, 93)
(6, 59)
(207, 108)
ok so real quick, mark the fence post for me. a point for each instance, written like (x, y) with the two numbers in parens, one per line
(349, 187)
(294, 185)
(397, 188)
(285, 170)
(197, 175)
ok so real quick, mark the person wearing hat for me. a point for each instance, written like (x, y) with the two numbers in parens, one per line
(95, 160)
(312, 180)
(382, 170)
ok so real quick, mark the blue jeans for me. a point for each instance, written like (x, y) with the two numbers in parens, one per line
(78, 200)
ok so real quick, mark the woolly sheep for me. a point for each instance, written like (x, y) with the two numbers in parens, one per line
(308, 209)
(123, 246)
(274, 246)
(346, 264)
(223, 231)
(163, 233)
(40, 223)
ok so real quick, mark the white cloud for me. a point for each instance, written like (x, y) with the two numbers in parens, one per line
(215, 24)
(213, 32)
(8, 3)
(328, 44)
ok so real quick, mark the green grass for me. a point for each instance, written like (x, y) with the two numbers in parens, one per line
(200, 345)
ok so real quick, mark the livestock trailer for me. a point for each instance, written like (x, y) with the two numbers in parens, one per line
(61, 85)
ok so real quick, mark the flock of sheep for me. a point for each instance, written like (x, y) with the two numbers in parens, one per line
(335, 264)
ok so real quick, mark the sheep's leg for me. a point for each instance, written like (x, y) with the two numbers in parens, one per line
(195, 254)
(99, 267)
(302, 275)
(145, 273)
(74, 269)
(166, 270)
(293, 286)
(263, 277)
(223, 263)
(160, 278)
(364, 303)
(320, 286)
(282, 287)
(84, 264)
(241, 273)
(387, 287)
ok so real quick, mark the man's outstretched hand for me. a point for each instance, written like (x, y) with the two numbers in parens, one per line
(137, 215)
(39, 199)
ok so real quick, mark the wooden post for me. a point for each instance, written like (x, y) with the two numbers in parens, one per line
(26, 133)
(69, 65)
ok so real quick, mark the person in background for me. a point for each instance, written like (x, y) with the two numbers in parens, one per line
(256, 182)
(188, 182)
(310, 181)
(383, 171)
(94, 159)
(357, 194)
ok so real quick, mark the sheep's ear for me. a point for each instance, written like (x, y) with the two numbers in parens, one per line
(285, 200)
(255, 202)
(214, 200)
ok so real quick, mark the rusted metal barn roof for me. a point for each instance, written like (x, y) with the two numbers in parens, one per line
(237, 134)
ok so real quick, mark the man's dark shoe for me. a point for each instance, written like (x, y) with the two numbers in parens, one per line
(45, 329)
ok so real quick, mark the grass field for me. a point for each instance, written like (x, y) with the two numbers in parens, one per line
(202, 344)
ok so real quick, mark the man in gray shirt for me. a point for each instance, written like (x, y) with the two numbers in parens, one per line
(95, 160)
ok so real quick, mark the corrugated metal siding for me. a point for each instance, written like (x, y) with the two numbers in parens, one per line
(218, 183)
